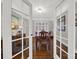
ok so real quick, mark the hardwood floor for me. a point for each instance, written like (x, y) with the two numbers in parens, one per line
(42, 53)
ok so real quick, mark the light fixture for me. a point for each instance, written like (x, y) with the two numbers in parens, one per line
(40, 10)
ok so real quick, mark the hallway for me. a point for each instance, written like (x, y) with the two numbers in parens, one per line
(39, 29)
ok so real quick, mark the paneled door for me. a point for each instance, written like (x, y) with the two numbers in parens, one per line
(65, 30)
(17, 31)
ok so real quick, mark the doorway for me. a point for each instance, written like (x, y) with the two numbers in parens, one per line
(42, 41)
(49, 27)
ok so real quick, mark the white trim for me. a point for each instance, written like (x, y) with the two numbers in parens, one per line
(59, 3)
(25, 48)
(57, 57)
(71, 29)
(58, 37)
(6, 24)
(20, 12)
(27, 2)
(60, 34)
(55, 24)
(19, 52)
(16, 54)
(62, 50)
(20, 39)
(62, 37)
(16, 39)
(30, 40)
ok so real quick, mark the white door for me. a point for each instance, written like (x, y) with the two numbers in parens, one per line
(16, 25)
(65, 30)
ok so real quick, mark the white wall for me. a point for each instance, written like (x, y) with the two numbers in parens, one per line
(6, 23)
(51, 26)
(21, 6)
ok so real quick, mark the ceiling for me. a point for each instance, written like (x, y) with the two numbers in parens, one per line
(47, 5)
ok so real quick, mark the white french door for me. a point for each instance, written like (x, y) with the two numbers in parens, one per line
(16, 25)
(65, 30)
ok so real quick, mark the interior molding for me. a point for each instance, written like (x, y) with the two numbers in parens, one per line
(60, 2)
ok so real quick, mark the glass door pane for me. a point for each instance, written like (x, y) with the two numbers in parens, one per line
(58, 40)
(64, 36)
(16, 29)
(25, 38)
(20, 28)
